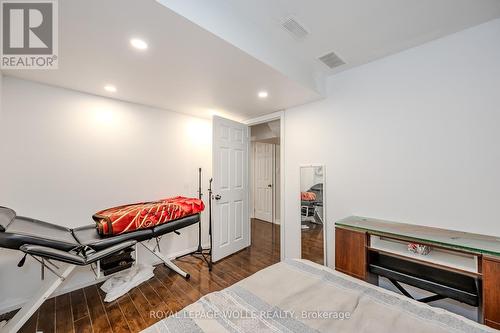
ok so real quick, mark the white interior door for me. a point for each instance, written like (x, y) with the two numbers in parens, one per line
(263, 181)
(231, 222)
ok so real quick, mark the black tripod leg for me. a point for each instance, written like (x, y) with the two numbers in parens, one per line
(200, 252)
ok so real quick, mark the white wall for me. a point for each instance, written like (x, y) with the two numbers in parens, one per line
(266, 132)
(65, 155)
(309, 177)
(413, 138)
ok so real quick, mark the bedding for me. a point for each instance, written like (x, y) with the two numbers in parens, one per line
(300, 296)
(144, 215)
(307, 196)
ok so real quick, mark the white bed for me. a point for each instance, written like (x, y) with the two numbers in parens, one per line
(300, 296)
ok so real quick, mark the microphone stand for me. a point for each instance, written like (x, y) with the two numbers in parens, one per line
(200, 252)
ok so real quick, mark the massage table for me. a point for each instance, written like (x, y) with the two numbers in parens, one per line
(46, 243)
(310, 206)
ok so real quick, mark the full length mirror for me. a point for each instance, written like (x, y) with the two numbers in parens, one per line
(312, 213)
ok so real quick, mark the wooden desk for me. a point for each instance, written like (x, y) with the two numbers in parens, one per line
(461, 265)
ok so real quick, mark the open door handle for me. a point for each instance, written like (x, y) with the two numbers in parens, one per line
(217, 197)
(270, 185)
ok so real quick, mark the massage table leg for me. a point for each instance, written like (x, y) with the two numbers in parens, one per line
(30, 307)
(166, 261)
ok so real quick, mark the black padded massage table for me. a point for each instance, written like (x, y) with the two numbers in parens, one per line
(47, 242)
(308, 207)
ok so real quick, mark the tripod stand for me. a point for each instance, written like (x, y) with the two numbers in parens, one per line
(201, 253)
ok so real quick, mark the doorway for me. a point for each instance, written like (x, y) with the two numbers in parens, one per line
(265, 181)
(234, 225)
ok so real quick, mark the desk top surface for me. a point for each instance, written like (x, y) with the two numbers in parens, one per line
(446, 238)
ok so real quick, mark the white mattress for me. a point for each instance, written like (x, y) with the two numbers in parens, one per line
(300, 296)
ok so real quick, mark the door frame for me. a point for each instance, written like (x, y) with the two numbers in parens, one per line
(279, 115)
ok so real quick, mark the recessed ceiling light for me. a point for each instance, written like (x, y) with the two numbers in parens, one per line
(138, 44)
(110, 88)
(262, 94)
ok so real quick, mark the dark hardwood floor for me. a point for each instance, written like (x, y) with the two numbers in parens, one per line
(84, 310)
(312, 243)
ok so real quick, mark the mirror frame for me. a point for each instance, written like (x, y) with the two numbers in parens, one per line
(325, 219)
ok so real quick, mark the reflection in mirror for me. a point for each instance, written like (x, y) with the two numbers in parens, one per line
(312, 213)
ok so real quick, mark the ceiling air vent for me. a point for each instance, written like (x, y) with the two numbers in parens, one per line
(294, 28)
(331, 60)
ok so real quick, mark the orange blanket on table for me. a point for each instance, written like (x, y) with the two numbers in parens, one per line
(122, 219)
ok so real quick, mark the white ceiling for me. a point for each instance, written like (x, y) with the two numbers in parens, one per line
(216, 55)
(185, 68)
(359, 31)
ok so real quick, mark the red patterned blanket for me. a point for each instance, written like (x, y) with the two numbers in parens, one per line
(307, 196)
(118, 220)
